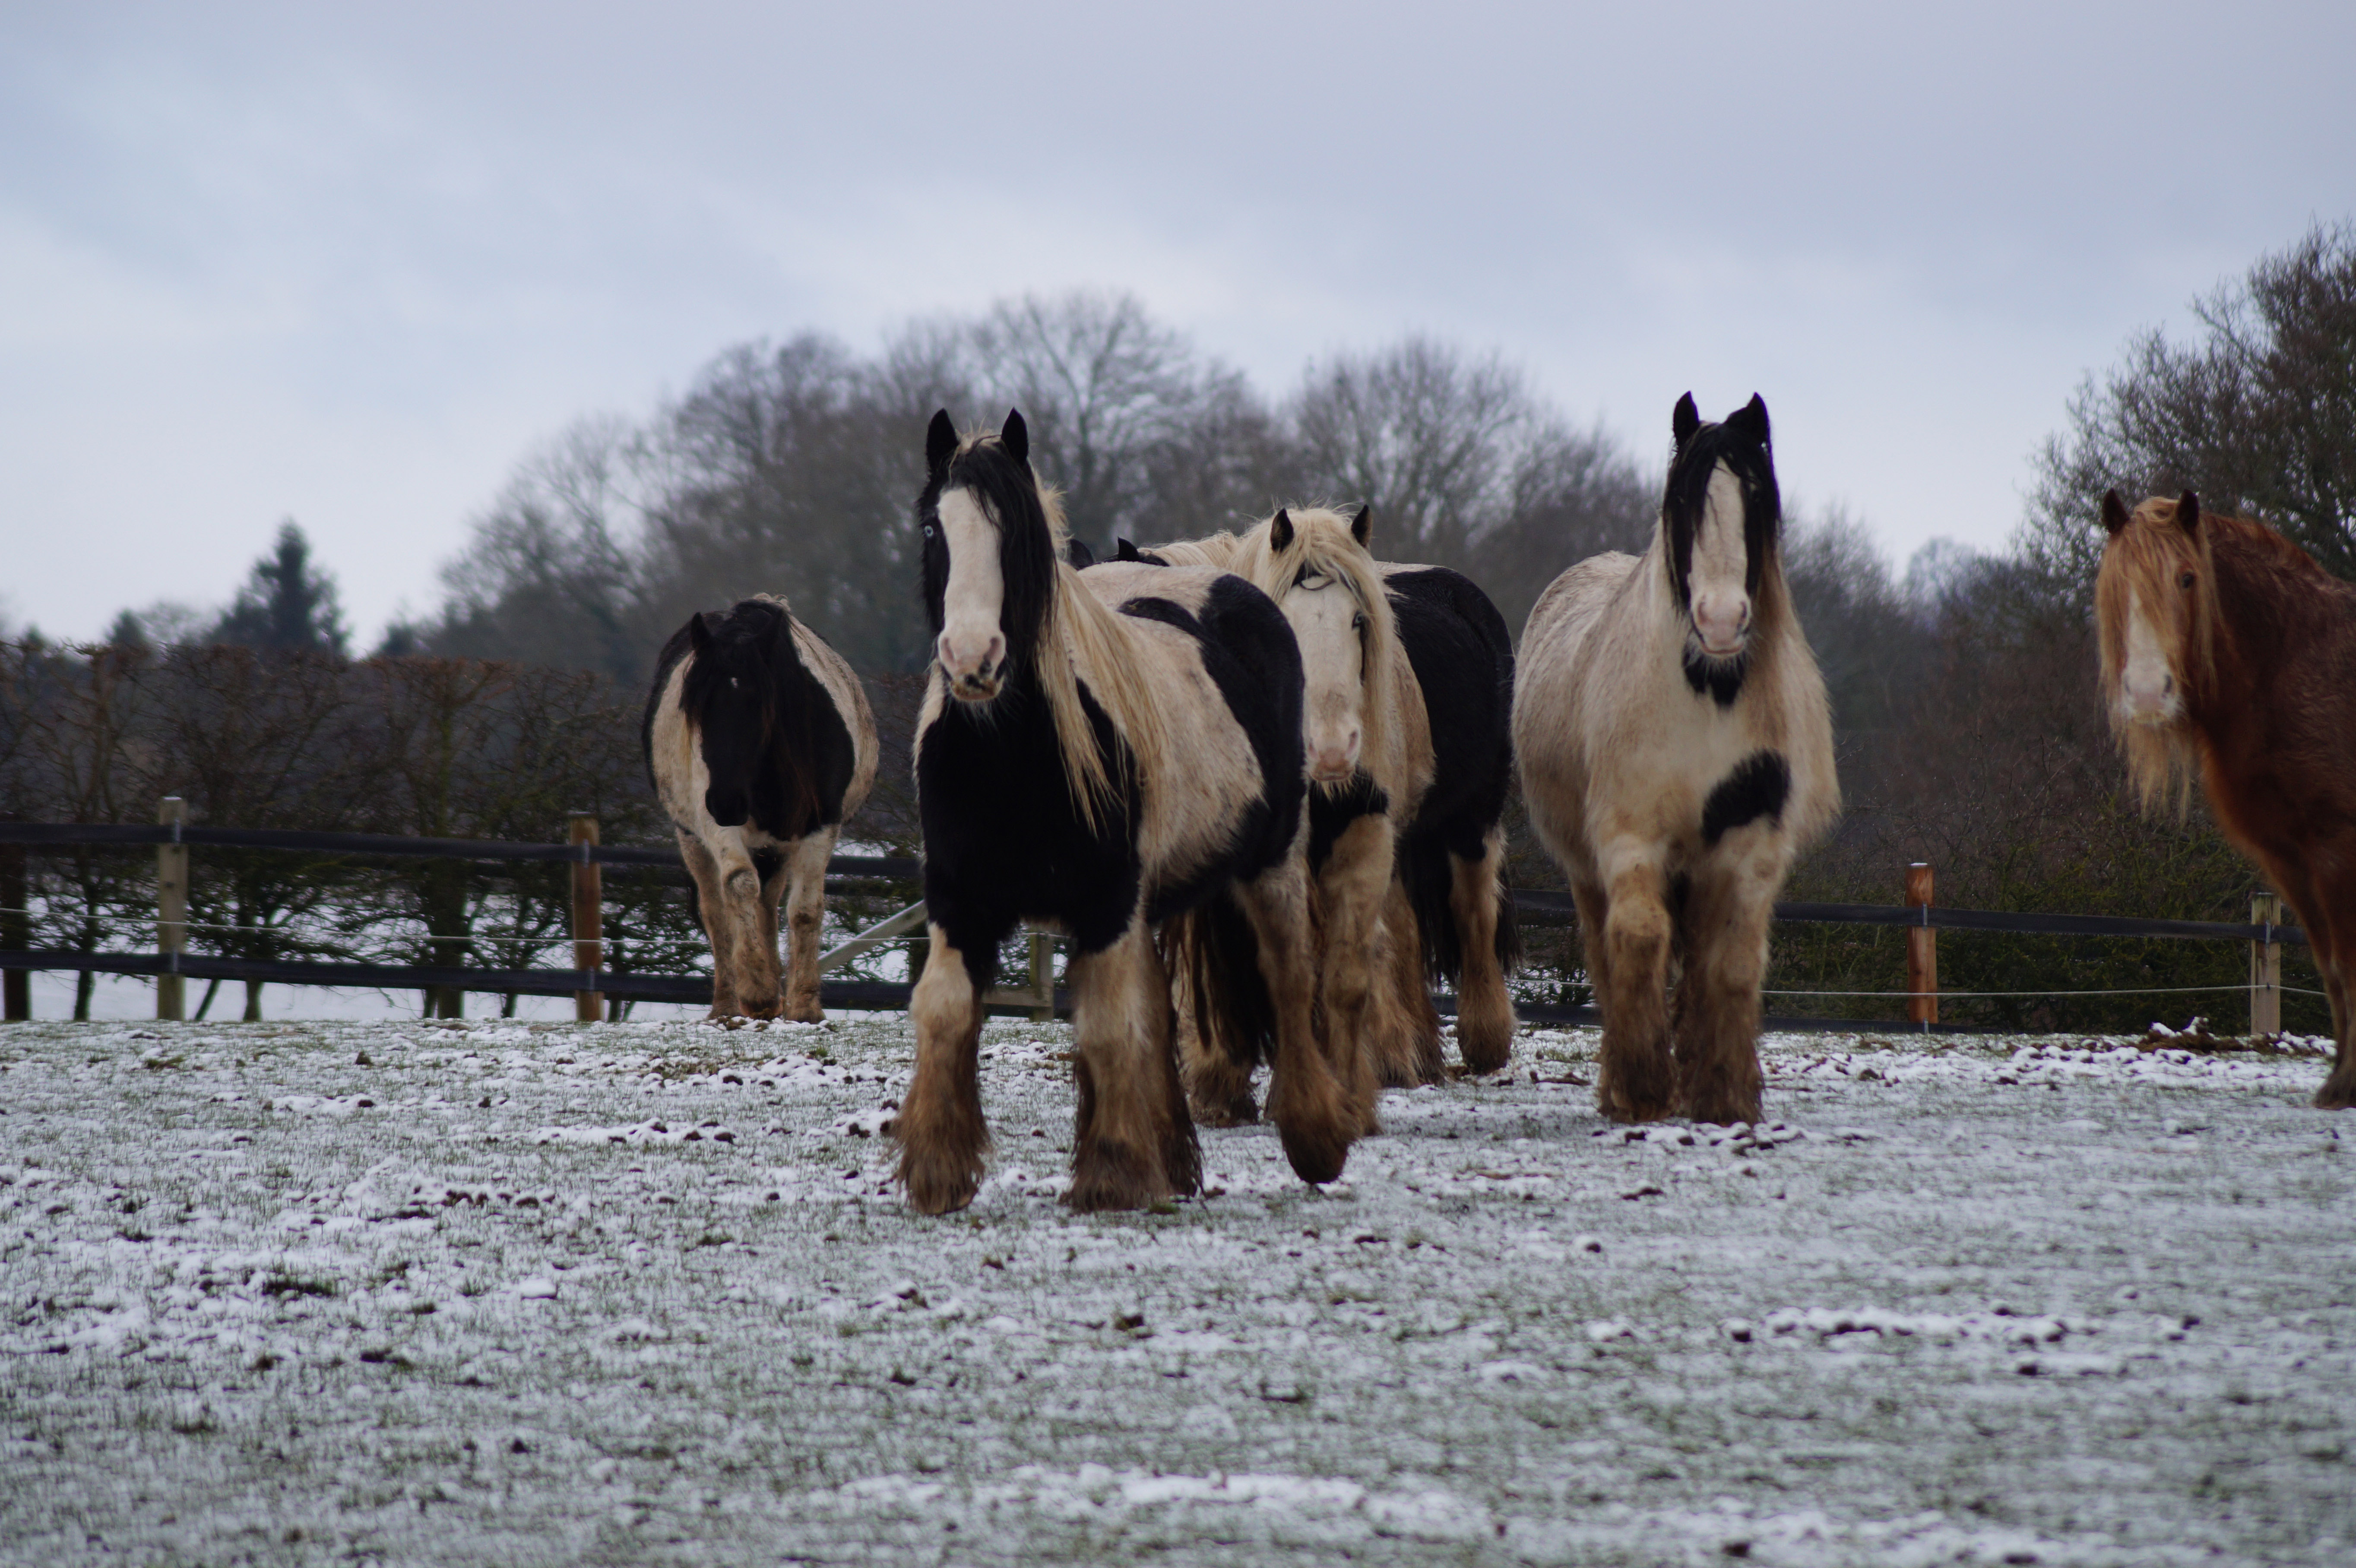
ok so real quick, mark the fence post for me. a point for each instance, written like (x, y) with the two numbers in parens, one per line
(172, 910)
(1042, 977)
(2265, 967)
(1922, 954)
(16, 930)
(588, 919)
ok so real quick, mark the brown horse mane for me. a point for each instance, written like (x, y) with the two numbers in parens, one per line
(2251, 588)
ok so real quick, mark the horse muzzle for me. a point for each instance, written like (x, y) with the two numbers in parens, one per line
(976, 685)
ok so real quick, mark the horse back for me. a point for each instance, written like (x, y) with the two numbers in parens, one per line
(1463, 658)
(1228, 801)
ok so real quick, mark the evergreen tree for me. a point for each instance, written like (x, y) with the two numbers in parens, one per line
(286, 603)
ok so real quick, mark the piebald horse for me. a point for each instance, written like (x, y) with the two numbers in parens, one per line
(2229, 654)
(759, 742)
(1676, 754)
(1094, 758)
(1398, 832)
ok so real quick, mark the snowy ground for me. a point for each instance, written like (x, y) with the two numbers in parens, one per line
(508, 1293)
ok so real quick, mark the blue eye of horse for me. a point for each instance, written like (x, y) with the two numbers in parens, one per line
(928, 530)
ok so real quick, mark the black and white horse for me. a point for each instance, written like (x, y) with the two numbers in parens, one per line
(759, 742)
(1093, 758)
(1676, 754)
(1410, 675)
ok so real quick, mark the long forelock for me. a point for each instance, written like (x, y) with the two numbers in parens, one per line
(1686, 501)
(2142, 561)
(1072, 635)
(1323, 546)
(735, 655)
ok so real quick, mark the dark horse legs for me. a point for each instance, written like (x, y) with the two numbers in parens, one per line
(1625, 933)
(942, 1134)
(1723, 938)
(1133, 1142)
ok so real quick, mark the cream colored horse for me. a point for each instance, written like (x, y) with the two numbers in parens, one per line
(1676, 752)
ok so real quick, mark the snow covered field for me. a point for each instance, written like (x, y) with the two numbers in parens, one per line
(509, 1292)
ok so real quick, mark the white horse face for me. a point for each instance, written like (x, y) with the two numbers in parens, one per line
(972, 644)
(2150, 692)
(1717, 579)
(1330, 630)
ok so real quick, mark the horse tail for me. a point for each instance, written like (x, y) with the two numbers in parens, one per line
(1509, 926)
(1423, 866)
(1213, 951)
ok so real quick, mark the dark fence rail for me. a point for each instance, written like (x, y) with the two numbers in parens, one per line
(59, 835)
(1532, 906)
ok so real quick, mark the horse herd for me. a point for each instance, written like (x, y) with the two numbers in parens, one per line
(1257, 780)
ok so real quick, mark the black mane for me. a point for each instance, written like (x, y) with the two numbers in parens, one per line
(1741, 442)
(765, 724)
(1009, 492)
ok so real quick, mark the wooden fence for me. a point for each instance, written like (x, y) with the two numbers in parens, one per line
(590, 985)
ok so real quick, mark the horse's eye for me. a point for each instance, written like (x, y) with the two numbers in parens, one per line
(2185, 581)
(928, 530)
(1358, 623)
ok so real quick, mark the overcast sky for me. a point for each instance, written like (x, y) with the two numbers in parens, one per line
(259, 261)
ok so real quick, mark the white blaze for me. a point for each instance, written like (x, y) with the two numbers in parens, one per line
(1722, 604)
(971, 646)
(1333, 661)
(2147, 686)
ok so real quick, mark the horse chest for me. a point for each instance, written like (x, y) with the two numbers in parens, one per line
(1004, 841)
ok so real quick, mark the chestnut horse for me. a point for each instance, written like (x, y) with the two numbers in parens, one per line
(2227, 653)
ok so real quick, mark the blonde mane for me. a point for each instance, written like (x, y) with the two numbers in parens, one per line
(1219, 549)
(1323, 546)
(2142, 562)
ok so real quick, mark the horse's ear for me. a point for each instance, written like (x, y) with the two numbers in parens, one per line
(1361, 526)
(940, 444)
(1280, 531)
(1015, 436)
(2188, 512)
(1126, 550)
(1078, 552)
(2114, 513)
(1750, 419)
(1684, 419)
(699, 633)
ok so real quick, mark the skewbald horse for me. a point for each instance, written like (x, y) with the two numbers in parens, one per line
(759, 742)
(1409, 674)
(1094, 758)
(2229, 654)
(1676, 754)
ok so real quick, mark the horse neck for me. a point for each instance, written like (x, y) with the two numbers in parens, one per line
(2252, 604)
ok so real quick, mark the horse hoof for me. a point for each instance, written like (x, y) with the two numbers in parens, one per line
(2337, 1093)
(1240, 1112)
(936, 1187)
(1722, 1112)
(1317, 1156)
(809, 1014)
(1108, 1173)
(1486, 1045)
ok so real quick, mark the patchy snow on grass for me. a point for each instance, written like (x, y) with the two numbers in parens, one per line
(507, 1291)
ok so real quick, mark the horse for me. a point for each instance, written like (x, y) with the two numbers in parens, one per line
(1409, 674)
(759, 743)
(1676, 754)
(1095, 758)
(2229, 654)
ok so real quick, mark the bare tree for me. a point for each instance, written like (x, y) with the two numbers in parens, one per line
(2258, 415)
(546, 578)
(1467, 467)
(1145, 436)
